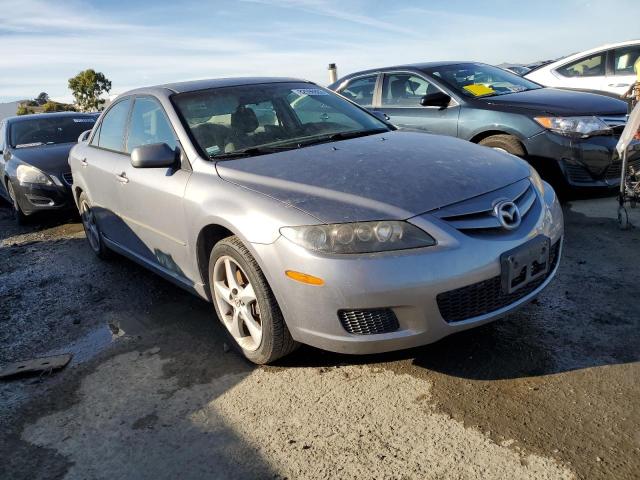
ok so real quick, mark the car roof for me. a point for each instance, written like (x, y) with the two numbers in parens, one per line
(195, 85)
(37, 116)
(574, 56)
(407, 66)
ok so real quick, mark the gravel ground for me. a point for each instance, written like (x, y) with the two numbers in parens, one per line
(153, 391)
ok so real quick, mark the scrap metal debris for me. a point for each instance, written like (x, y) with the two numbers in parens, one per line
(37, 365)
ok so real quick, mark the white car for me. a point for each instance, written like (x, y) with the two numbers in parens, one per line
(608, 68)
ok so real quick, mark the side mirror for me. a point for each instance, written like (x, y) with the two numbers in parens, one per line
(84, 136)
(156, 155)
(382, 116)
(436, 99)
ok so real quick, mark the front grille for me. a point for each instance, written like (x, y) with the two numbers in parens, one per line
(577, 174)
(68, 178)
(368, 322)
(614, 121)
(615, 169)
(477, 214)
(487, 296)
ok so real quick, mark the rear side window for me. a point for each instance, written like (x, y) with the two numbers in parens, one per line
(592, 66)
(149, 125)
(625, 59)
(112, 128)
(361, 90)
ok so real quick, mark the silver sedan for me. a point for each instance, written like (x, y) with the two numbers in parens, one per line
(306, 219)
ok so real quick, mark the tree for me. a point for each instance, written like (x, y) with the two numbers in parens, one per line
(51, 106)
(23, 110)
(42, 98)
(87, 87)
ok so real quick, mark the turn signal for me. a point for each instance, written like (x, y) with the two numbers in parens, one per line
(304, 278)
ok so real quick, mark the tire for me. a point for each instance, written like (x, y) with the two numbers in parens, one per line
(275, 339)
(508, 143)
(18, 215)
(91, 228)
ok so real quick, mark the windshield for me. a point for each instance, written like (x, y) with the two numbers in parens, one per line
(478, 80)
(48, 131)
(254, 119)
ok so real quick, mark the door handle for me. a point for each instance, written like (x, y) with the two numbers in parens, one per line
(84, 162)
(122, 178)
(619, 85)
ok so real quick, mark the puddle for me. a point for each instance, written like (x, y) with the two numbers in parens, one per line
(91, 344)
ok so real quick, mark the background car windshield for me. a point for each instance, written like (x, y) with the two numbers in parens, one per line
(232, 119)
(477, 80)
(48, 131)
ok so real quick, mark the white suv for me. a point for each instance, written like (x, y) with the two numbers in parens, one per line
(608, 68)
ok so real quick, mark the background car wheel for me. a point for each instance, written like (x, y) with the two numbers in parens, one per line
(18, 215)
(507, 143)
(91, 229)
(245, 303)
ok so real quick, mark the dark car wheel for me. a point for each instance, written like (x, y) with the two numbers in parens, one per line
(18, 214)
(246, 305)
(91, 228)
(504, 142)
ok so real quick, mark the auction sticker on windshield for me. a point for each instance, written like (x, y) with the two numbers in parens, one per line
(478, 89)
(309, 91)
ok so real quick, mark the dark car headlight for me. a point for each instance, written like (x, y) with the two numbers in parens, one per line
(29, 174)
(574, 126)
(361, 237)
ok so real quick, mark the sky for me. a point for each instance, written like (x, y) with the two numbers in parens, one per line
(137, 43)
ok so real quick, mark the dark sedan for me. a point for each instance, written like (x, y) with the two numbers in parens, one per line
(34, 169)
(568, 136)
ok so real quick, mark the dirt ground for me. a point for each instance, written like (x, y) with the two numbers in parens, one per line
(153, 391)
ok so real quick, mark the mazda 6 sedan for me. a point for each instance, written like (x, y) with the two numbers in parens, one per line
(306, 219)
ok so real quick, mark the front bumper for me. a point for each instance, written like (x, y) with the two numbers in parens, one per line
(584, 162)
(34, 198)
(407, 282)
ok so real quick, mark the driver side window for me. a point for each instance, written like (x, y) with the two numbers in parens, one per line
(149, 125)
(405, 90)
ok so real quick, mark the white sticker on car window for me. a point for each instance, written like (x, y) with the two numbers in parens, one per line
(309, 91)
(84, 120)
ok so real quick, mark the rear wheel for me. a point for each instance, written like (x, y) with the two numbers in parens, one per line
(18, 214)
(505, 143)
(91, 229)
(245, 303)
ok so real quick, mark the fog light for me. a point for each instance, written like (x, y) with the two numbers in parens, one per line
(304, 278)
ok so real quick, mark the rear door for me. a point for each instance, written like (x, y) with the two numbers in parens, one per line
(98, 164)
(3, 161)
(150, 200)
(586, 73)
(401, 94)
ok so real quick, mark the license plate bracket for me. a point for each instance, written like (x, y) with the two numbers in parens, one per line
(525, 264)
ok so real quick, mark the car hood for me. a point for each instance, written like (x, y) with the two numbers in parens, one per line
(394, 175)
(560, 102)
(48, 158)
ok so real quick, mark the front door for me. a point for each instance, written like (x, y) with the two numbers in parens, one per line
(401, 94)
(150, 200)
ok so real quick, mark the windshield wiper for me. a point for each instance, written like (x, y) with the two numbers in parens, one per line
(341, 136)
(248, 152)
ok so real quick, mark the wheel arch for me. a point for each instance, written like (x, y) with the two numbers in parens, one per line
(208, 236)
(478, 137)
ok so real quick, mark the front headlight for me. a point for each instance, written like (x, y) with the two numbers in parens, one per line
(574, 126)
(29, 174)
(362, 237)
(535, 178)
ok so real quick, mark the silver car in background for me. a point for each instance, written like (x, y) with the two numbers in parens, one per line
(305, 219)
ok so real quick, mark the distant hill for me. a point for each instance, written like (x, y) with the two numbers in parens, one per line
(9, 109)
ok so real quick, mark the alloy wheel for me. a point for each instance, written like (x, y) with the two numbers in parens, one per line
(237, 303)
(90, 226)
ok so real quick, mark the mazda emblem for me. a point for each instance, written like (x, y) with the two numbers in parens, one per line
(508, 214)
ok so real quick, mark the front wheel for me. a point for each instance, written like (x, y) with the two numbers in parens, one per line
(18, 214)
(91, 229)
(246, 305)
